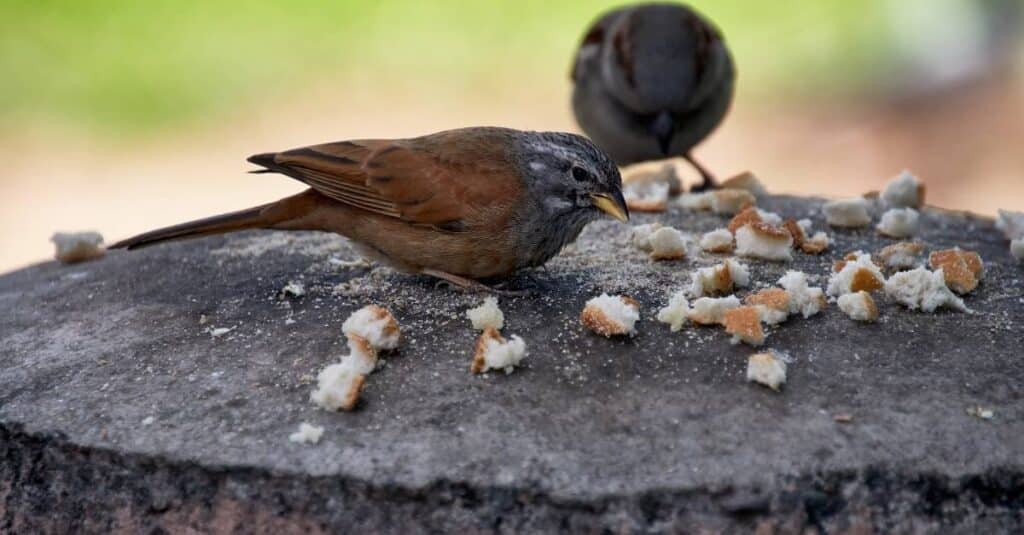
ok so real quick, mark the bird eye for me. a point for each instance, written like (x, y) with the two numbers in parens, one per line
(580, 174)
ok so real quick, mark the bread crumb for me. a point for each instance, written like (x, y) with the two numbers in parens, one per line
(848, 213)
(744, 324)
(770, 218)
(816, 244)
(800, 230)
(609, 315)
(292, 289)
(859, 306)
(642, 235)
(1017, 249)
(148, 420)
(859, 274)
(796, 230)
(745, 217)
(376, 325)
(804, 299)
(486, 315)
(495, 353)
(899, 223)
(901, 255)
(676, 312)
(767, 369)
(74, 247)
(773, 305)
(667, 243)
(646, 197)
(746, 181)
(980, 412)
(922, 289)
(717, 241)
(904, 191)
(843, 418)
(720, 279)
(665, 174)
(1011, 224)
(710, 310)
(307, 434)
(217, 332)
(759, 240)
(362, 357)
(338, 387)
(962, 269)
(720, 201)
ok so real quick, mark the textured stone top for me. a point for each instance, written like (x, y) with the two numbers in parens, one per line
(117, 355)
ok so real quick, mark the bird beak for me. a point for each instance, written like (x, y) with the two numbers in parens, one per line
(611, 204)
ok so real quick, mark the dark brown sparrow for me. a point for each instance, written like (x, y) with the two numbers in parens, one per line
(459, 205)
(652, 81)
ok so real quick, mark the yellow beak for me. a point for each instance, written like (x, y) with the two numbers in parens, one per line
(614, 206)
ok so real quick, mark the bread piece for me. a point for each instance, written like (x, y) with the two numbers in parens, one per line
(745, 217)
(859, 274)
(74, 247)
(730, 201)
(859, 306)
(768, 369)
(719, 279)
(376, 325)
(962, 269)
(899, 223)
(495, 353)
(675, 312)
(1011, 224)
(642, 235)
(338, 387)
(901, 255)
(847, 213)
(759, 240)
(667, 243)
(646, 197)
(664, 174)
(804, 299)
(711, 311)
(717, 241)
(744, 324)
(746, 181)
(904, 191)
(816, 244)
(486, 315)
(800, 231)
(922, 289)
(773, 304)
(611, 315)
(362, 357)
(307, 434)
(796, 231)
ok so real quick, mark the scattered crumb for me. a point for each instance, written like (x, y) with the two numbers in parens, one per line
(859, 306)
(720, 201)
(307, 434)
(922, 289)
(1011, 224)
(676, 312)
(859, 274)
(376, 325)
(980, 412)
(744, 324)
(767, 369)
(800, 230)
(217, 332)
(711, 311)
(646, 197)
(849, 213)
(962, 269)
(486, 315)
(667, 243)
(901, 255)
(74, 247)
(773, 304)
(904, 191)
(717, 241)
(899, 223)
(203, 319)
(609, 315)
(148, 420)
(720, 279)
(759, 240)
(816, 244)
(292, 289)
(666, 174)
(345, 264)
(843, 418)
(746, 181)
(495, 353)
(338, 387)
(1017, 249)
(642, 235)
(804, 299)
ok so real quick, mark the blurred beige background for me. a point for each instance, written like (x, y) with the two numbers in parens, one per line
(121, 119)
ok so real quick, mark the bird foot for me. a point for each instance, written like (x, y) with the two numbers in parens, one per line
(707, 179)
(465, 284)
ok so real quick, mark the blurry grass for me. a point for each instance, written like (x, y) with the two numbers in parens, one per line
(124, 67)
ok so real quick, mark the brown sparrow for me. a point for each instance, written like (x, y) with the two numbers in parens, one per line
(459, 205)
(652, 81)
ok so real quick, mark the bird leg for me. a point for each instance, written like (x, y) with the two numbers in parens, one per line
(708, 181)
(469, 284)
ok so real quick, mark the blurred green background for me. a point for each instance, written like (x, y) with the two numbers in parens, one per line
(106, 104)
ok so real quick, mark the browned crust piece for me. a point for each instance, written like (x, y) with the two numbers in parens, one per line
(745, 323)
(391, 327)
(865, 281)
(813, 246)
(490, 333)
(747, 216)
(961, 269)
(795, 230)
(596, 320)
(775, 298)
(869, 303)
(352, 397)
(914, 248)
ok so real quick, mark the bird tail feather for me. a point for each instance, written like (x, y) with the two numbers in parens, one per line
(250, 218)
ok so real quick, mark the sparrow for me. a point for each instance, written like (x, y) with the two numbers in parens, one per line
(651, 81)
(459, 205)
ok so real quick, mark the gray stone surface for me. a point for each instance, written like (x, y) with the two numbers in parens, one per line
(656, 433)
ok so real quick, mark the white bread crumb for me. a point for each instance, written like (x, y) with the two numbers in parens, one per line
(717, 241)
(859, 306)
(611, 315)
(816, 244)
(676, 312)
(1011, 223)
(338, 387)
(495, 353)
(922, 289)
(665, 174)
(747, 181)
(711, 311)
(770, 218)
(646, 196)
(901, 255)
(744, 324)
(721, 201)
(759, 240)
(849, 213)
(486, 315)
(667, 243)
(307, 434)
(904, 191)
(376, 325)
(1017, 249)
(804, 299)
(74, 247)
(767, 369)
(858, 274)
(362, 357)
(642, 235)
(720, 279)
(773, 305)
(899, 223)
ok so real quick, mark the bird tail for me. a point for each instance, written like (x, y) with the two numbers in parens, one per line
(250, 218)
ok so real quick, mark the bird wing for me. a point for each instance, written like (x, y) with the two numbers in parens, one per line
(444, 180)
